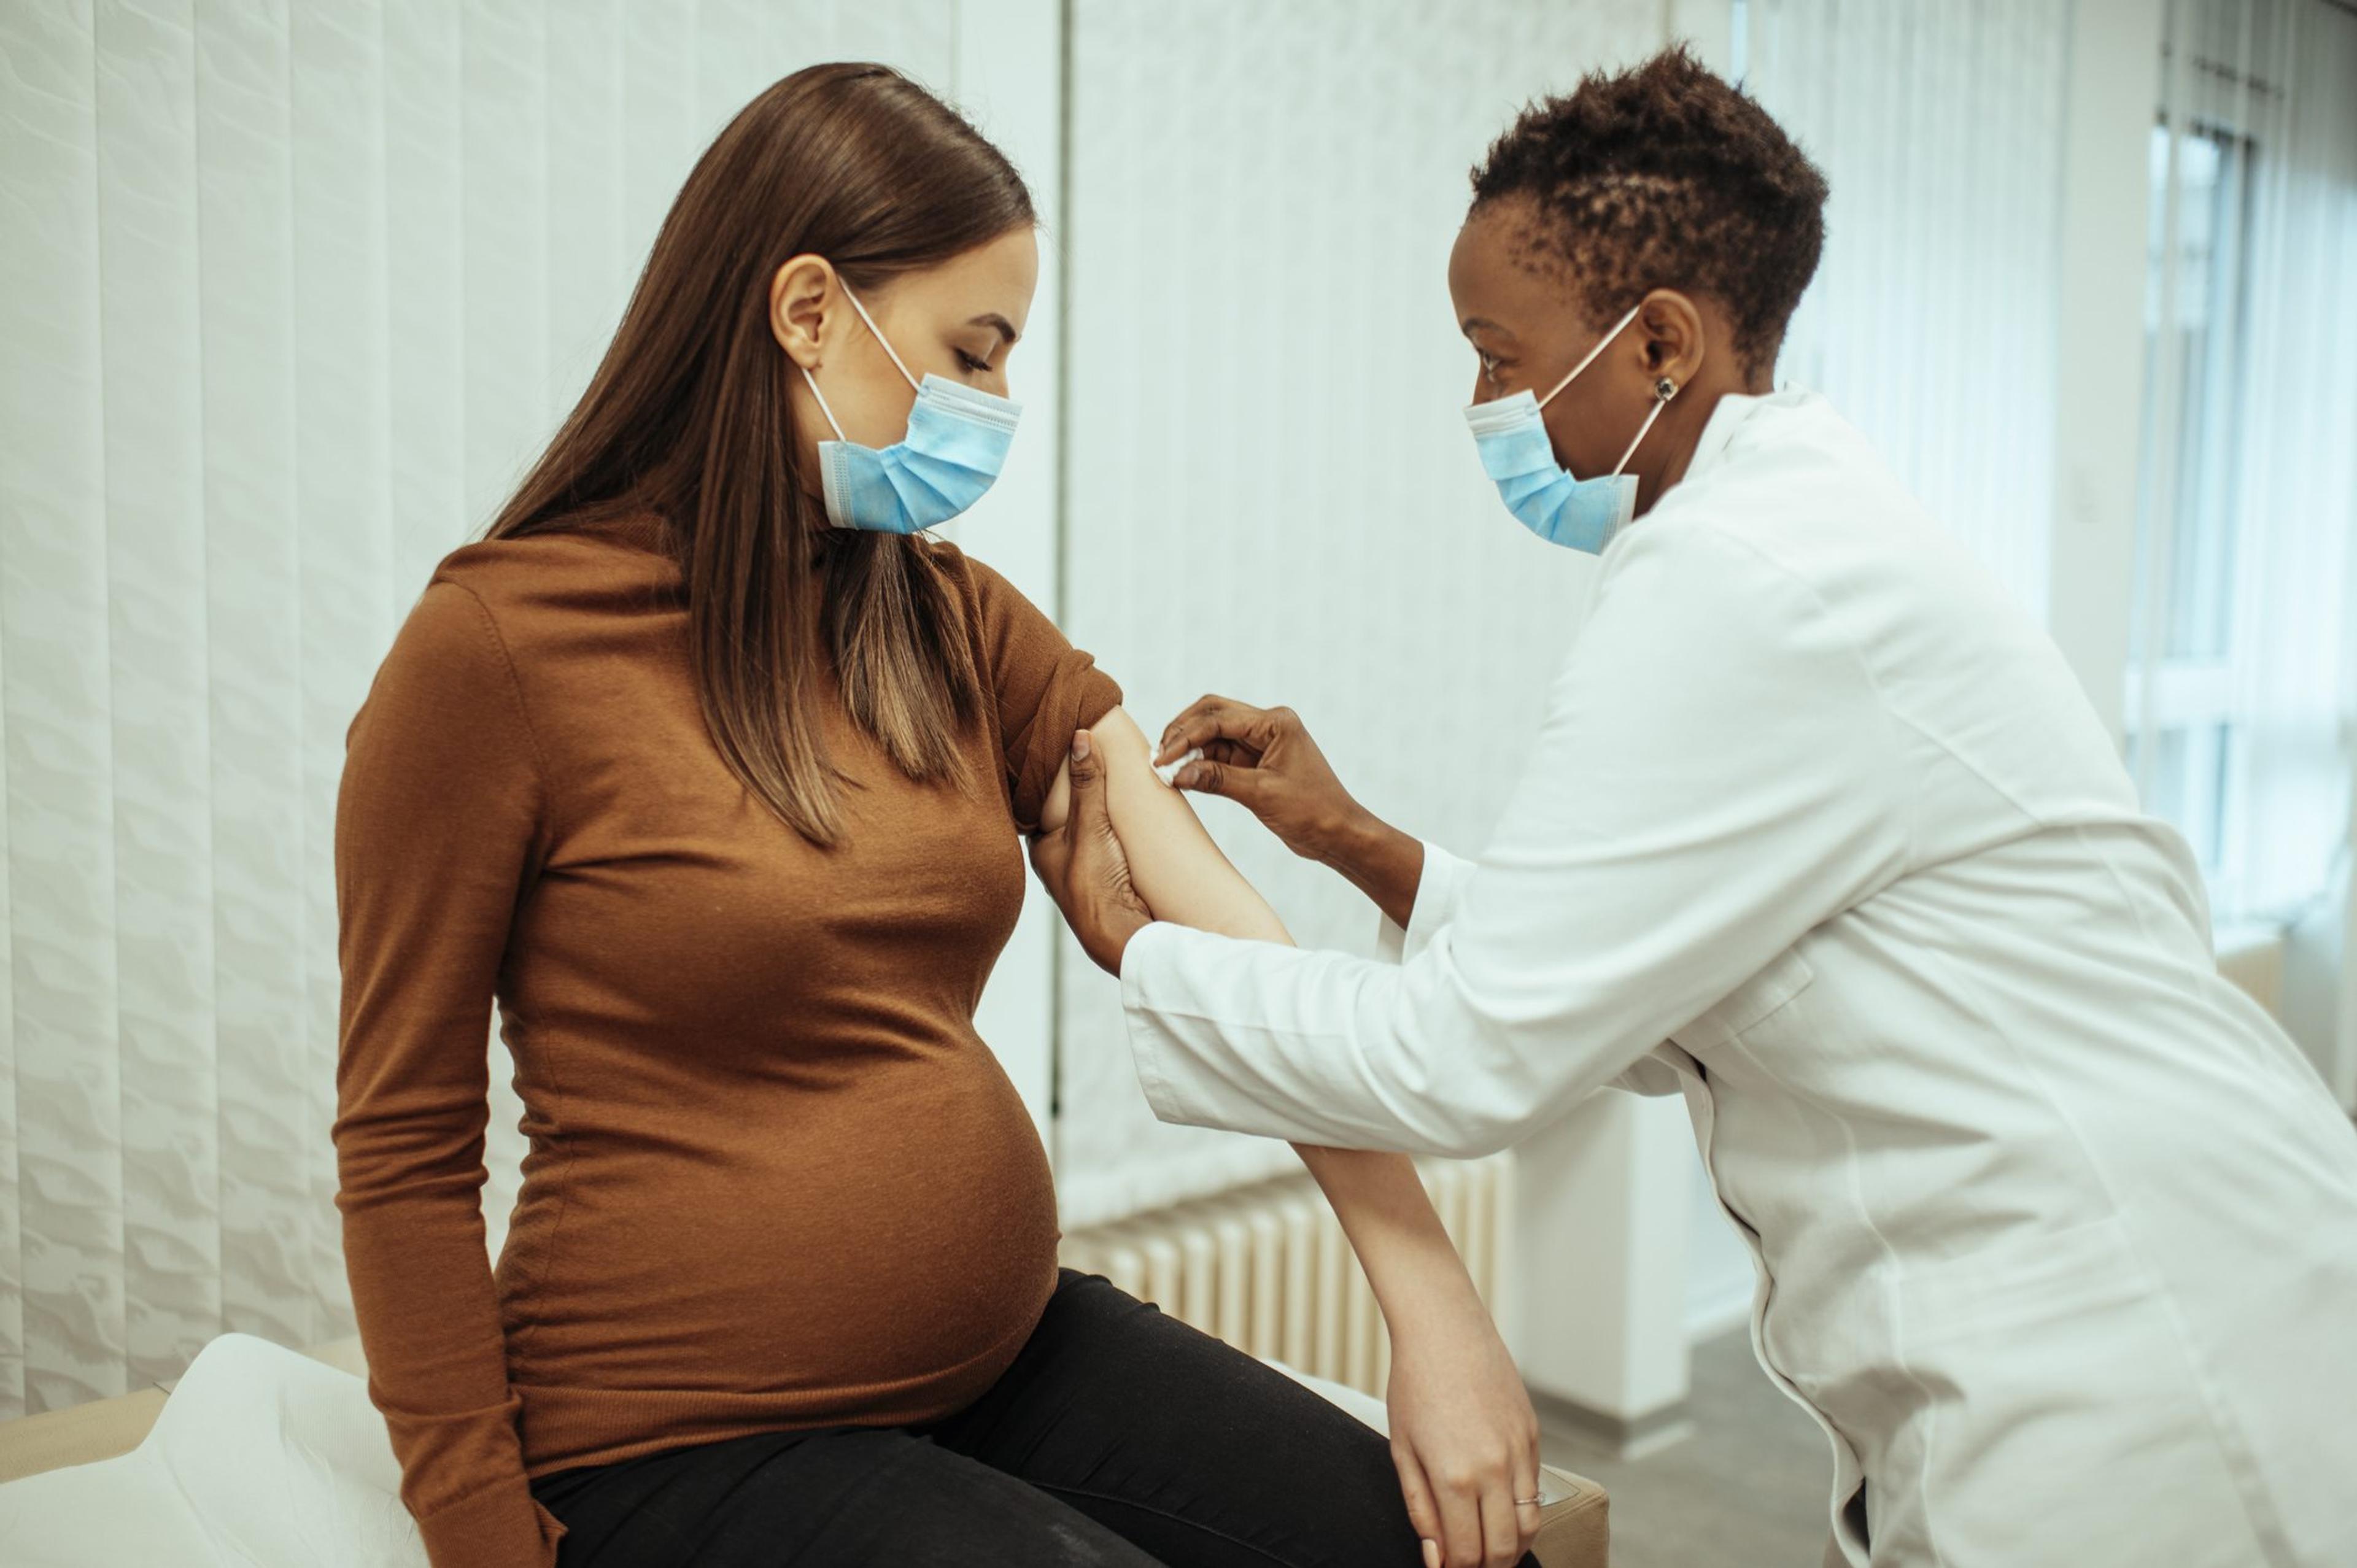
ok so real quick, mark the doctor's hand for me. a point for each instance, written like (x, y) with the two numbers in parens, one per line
(1081, 863)
(1264, 759)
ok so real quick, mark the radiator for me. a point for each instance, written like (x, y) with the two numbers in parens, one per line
(1268, 1269)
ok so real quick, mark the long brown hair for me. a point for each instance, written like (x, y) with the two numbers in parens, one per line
(688, 417)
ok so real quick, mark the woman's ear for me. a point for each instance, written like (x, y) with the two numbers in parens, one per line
(1672, 331)
(803, 306)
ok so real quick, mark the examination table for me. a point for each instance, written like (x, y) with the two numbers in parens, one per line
(263, 1457)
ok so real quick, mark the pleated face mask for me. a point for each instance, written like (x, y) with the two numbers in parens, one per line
(1579, 514)
(957, 441)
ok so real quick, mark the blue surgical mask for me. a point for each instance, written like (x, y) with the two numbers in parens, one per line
(957, 441)
(1579, 514)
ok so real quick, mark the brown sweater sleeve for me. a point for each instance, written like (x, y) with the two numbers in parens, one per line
(435, 827)
(1045, 688)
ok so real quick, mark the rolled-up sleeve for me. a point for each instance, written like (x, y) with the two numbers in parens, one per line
(1043, 688)
(1713, 779)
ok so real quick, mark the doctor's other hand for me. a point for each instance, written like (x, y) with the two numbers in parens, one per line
(1081, 863)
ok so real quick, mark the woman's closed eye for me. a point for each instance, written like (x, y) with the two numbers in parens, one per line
(972, 366)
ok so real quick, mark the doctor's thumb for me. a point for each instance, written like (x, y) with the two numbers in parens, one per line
(1088, 780)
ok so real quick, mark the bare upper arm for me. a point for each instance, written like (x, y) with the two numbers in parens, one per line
(1173, 862)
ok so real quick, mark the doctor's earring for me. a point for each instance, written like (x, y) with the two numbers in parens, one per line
(1664, 390)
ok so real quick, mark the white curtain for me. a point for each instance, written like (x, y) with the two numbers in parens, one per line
(1270, 492)
(1930, 324)
(289, 293)
(2244, 701)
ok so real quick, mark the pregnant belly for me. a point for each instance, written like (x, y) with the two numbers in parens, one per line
(854, 1255)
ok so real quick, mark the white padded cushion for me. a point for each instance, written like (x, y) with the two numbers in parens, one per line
(263, 1458)
(1366, 1407)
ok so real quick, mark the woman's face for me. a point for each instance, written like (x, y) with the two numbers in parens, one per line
(959, 320)
(1523, 320)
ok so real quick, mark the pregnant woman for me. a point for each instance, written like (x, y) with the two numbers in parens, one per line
(712, 768)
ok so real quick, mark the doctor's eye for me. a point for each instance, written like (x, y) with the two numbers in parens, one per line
(979, 366)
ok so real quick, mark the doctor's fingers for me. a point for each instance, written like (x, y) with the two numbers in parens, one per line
(1210, 718)
(1235, 753)
(1090, 815)
(1051, 858)
(1247, 786)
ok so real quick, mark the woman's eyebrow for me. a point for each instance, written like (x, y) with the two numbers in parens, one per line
(1473, 324)
(1005, 327)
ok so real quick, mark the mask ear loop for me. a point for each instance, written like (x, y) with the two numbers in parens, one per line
(833, 424)
(878, 336)
(1583, 364)
(812, 382)
(1663, 390)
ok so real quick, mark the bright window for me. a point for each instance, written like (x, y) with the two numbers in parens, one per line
(2182, 734)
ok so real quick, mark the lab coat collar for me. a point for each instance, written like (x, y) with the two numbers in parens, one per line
(1734, 411)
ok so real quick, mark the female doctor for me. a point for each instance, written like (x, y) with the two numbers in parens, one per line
(2056, 1232)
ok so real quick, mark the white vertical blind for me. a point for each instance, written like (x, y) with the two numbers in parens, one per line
(1930, 324)
(291, 294)
(1270, 489)
(67, 1333)
(155, 682)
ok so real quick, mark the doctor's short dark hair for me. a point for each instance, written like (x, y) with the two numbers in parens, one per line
(1665, 175)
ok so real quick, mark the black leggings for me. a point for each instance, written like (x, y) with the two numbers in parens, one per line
(1119, 1438)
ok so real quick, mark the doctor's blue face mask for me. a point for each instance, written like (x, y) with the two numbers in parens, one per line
(957, 441)
(1543, 495)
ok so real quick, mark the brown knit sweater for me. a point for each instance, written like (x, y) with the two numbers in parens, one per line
(775, 1179)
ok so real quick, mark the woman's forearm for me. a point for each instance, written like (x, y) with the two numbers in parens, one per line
(1180, 874)
(1419, 1278)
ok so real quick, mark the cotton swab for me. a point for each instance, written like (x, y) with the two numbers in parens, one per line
(1168, 771)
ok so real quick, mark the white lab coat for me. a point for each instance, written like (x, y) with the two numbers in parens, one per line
(2056, 1232)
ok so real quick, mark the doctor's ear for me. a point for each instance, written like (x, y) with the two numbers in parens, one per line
(1676, 339)
(803, 298)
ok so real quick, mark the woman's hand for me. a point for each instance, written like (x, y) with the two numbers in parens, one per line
(1080, 861)
(1464, 1438)
(1264, 759)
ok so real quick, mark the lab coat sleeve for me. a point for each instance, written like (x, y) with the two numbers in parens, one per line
(1715, 777)
(1437, 893)
(1438, 890)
